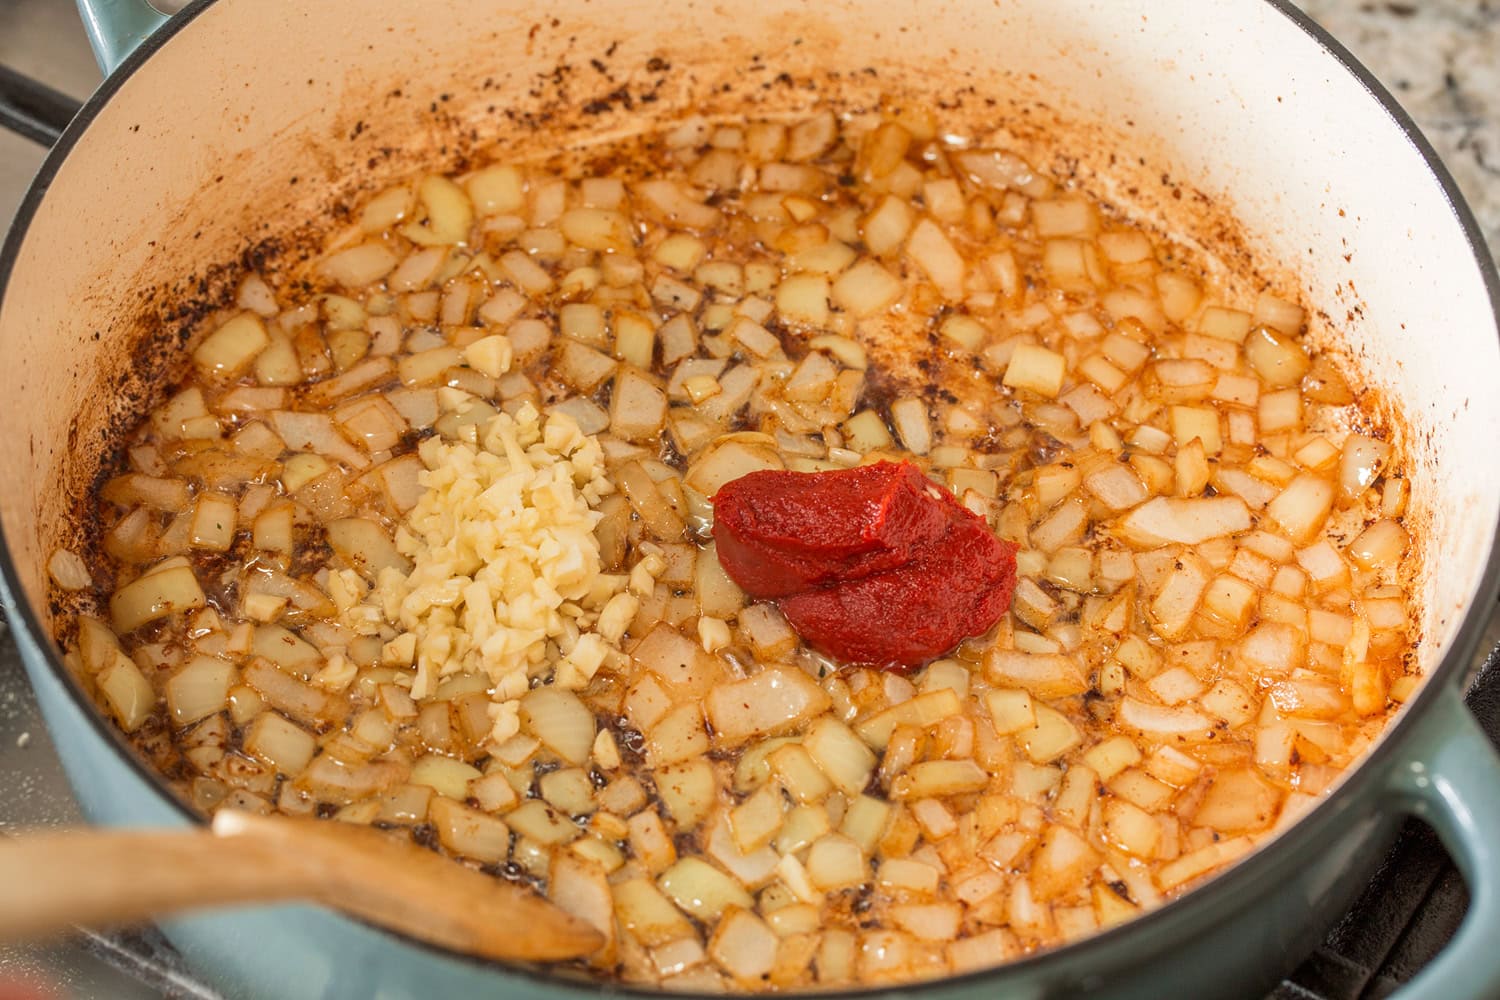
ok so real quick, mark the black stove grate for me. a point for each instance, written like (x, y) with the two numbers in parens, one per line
(1410, 909)
(33, 110)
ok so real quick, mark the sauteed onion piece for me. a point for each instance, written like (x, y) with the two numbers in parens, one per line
(425, 543)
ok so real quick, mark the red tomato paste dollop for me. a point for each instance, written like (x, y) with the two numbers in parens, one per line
(875, 564)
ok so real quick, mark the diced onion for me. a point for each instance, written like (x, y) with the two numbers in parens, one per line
(1360, 463)
(69, 571)
(424, 542)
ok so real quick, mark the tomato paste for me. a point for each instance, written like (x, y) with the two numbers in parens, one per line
(874, 564)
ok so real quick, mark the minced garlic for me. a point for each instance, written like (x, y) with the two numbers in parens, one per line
(506, 576)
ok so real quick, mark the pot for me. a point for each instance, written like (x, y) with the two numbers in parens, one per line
(1242, 127)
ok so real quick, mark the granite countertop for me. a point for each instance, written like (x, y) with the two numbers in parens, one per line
(1441, 58)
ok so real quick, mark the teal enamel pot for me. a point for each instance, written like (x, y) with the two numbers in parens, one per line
(222, 135)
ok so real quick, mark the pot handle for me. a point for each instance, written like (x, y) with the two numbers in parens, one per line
(1451, 780)
(116, 27)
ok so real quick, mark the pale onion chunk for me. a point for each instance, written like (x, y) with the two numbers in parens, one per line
(1011, 711)
(677, 660)
(659, 516)
(418, 270)
(148, 485)
(69, 571)
(677, 205)
(753, 869)
(1051, 736)
(373, 422)
(1284, 316)
(729, 461)
(359, 265)
(561, 721)
(677, 736)
(1116, 487)
(450, 214)
(290, 652)
(283, 744)
(127, 693)
(867, 288)
(866, 432)
(1202, 861)
(1035, 368)
(213, 522)
(811, 137)
(580, 887)
(1064, 217)
(316, 432)
(366, 547)
(835, 862)
(470, 833)
(597, 229)
(529, 276)
(1044, 675)
(1360, 463)
(199, 689)
(913, 424)
(995, 168)
(841, 754)
(1182, 591)
(229, 351)
(743, 946)
(1200, 423)
(1302, 507)
(938, 778)
(637, 407)
(1278, 359)
(1380, 546)
(584, 368)
(647, 914)
(590, 417)
(701, 890)
(386, 209)
(1160, 722)
(1165, 520)
(935, 254)
(849, 352)
(776, 699)
(885, 229)
(278, 364)
(1271, 649)
(157, 594)
(497, 190)
(251, 399)
(257, 296)
(688, 790)
(635, 339)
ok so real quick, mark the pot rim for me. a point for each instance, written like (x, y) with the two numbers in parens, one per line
(1241, 875)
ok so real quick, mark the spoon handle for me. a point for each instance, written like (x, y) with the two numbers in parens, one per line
(52, 881)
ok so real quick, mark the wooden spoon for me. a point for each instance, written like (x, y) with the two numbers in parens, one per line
(54, 881)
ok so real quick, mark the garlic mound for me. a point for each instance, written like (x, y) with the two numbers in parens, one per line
(506, 577)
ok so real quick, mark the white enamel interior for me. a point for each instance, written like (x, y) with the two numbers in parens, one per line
(199, 148)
